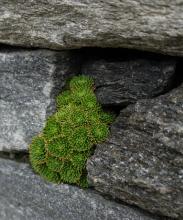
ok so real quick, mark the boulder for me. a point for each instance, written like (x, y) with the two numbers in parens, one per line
(24, 195)
(142, 161)
(29, 81)
(124, 80)
(63, 24)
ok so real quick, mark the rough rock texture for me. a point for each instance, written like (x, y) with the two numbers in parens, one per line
(124, 81)
(23, 195)
(142, 161)
(146, 25)
(29, 81)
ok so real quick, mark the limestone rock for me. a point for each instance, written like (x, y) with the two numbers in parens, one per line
(142, 161)
(125, 80)
(29, 81)
(24, 195)
(64, 24)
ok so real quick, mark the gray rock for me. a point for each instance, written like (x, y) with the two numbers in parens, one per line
(121, 82)
(25, 196)
(57, 24)
(29, 81)
(142, 161)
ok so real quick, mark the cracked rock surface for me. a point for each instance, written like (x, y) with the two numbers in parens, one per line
(64, 24)
(25, 196)
(142, 161)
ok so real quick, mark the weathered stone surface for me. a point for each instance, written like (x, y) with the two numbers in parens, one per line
(147, 25)
(29, 81)
(124, 81)
(142, 161)
(23, 195)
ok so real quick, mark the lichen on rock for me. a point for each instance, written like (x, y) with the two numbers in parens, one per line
(60, 152)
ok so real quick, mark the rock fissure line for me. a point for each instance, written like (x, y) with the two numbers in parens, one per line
(22, 157)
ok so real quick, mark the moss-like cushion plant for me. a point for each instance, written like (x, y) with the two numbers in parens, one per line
(60, 152)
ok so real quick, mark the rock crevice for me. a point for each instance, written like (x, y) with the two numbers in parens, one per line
(141, 162)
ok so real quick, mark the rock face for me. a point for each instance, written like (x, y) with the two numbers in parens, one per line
(142, 161)
(24, 195)
(124, 81)
(145, 25)
(29, 81)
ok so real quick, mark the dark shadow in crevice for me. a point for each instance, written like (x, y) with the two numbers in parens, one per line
(176, 80)
(120, 54)
(113, 109)
(178, 77)
(12, 48)
(22, 157)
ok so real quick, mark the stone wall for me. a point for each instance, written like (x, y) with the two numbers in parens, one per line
(137, 173)
(140, 163)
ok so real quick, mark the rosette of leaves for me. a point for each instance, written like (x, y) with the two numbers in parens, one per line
(60, 152)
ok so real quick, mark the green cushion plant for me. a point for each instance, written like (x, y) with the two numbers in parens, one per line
(60, 152)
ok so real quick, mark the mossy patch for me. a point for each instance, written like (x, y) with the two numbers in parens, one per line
(60, 152)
